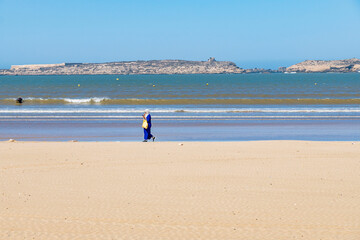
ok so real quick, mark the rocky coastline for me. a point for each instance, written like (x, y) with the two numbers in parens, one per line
(177, 67)
(127, 68)
(316, 66)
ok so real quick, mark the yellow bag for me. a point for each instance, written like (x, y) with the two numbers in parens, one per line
(145, 124)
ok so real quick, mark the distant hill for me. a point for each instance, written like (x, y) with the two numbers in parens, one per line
(309, 66)
(133, 67)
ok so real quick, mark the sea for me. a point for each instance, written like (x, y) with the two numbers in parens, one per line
(204, 107)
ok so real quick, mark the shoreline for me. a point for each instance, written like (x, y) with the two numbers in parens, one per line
(219, 142)
(205, 129)
(166, 190)
(14, 141)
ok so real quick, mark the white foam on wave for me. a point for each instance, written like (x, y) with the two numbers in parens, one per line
(83, 100)
(28, 98)
(179, 111)
(68, 100)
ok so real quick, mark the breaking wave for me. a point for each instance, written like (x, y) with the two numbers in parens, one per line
(183, 101)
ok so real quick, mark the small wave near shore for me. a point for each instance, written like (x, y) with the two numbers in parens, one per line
(182, 101)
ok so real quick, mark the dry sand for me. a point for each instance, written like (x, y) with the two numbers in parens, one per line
(201, 190)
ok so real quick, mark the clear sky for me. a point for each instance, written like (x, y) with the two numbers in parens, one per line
(262, 33)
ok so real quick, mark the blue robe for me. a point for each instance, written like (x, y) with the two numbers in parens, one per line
(147, 132)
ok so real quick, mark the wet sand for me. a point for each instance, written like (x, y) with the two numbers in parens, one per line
(198, 190)
(188, 129)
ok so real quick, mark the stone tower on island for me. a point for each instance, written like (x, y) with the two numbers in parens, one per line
(211, 60)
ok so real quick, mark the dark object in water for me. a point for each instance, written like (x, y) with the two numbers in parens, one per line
(19, 100)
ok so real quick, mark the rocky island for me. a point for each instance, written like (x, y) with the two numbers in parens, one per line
(123, 68)
(313, 66)
(177, 67)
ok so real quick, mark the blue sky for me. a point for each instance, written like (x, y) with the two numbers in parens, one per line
(252, 33)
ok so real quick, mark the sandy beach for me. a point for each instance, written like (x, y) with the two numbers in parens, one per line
(277, 190)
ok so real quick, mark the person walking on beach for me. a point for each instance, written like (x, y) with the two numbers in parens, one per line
(147, 126)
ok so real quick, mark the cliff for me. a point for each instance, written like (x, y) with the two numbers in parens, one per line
(133, 67)
(309, 66)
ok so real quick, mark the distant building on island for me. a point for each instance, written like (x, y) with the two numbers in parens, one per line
(35, 66)
(211, 60)
(39, 66)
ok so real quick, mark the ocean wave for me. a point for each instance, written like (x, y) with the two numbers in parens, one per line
(84, 100)
(223, 110)
(32, 100)
(183, 101)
